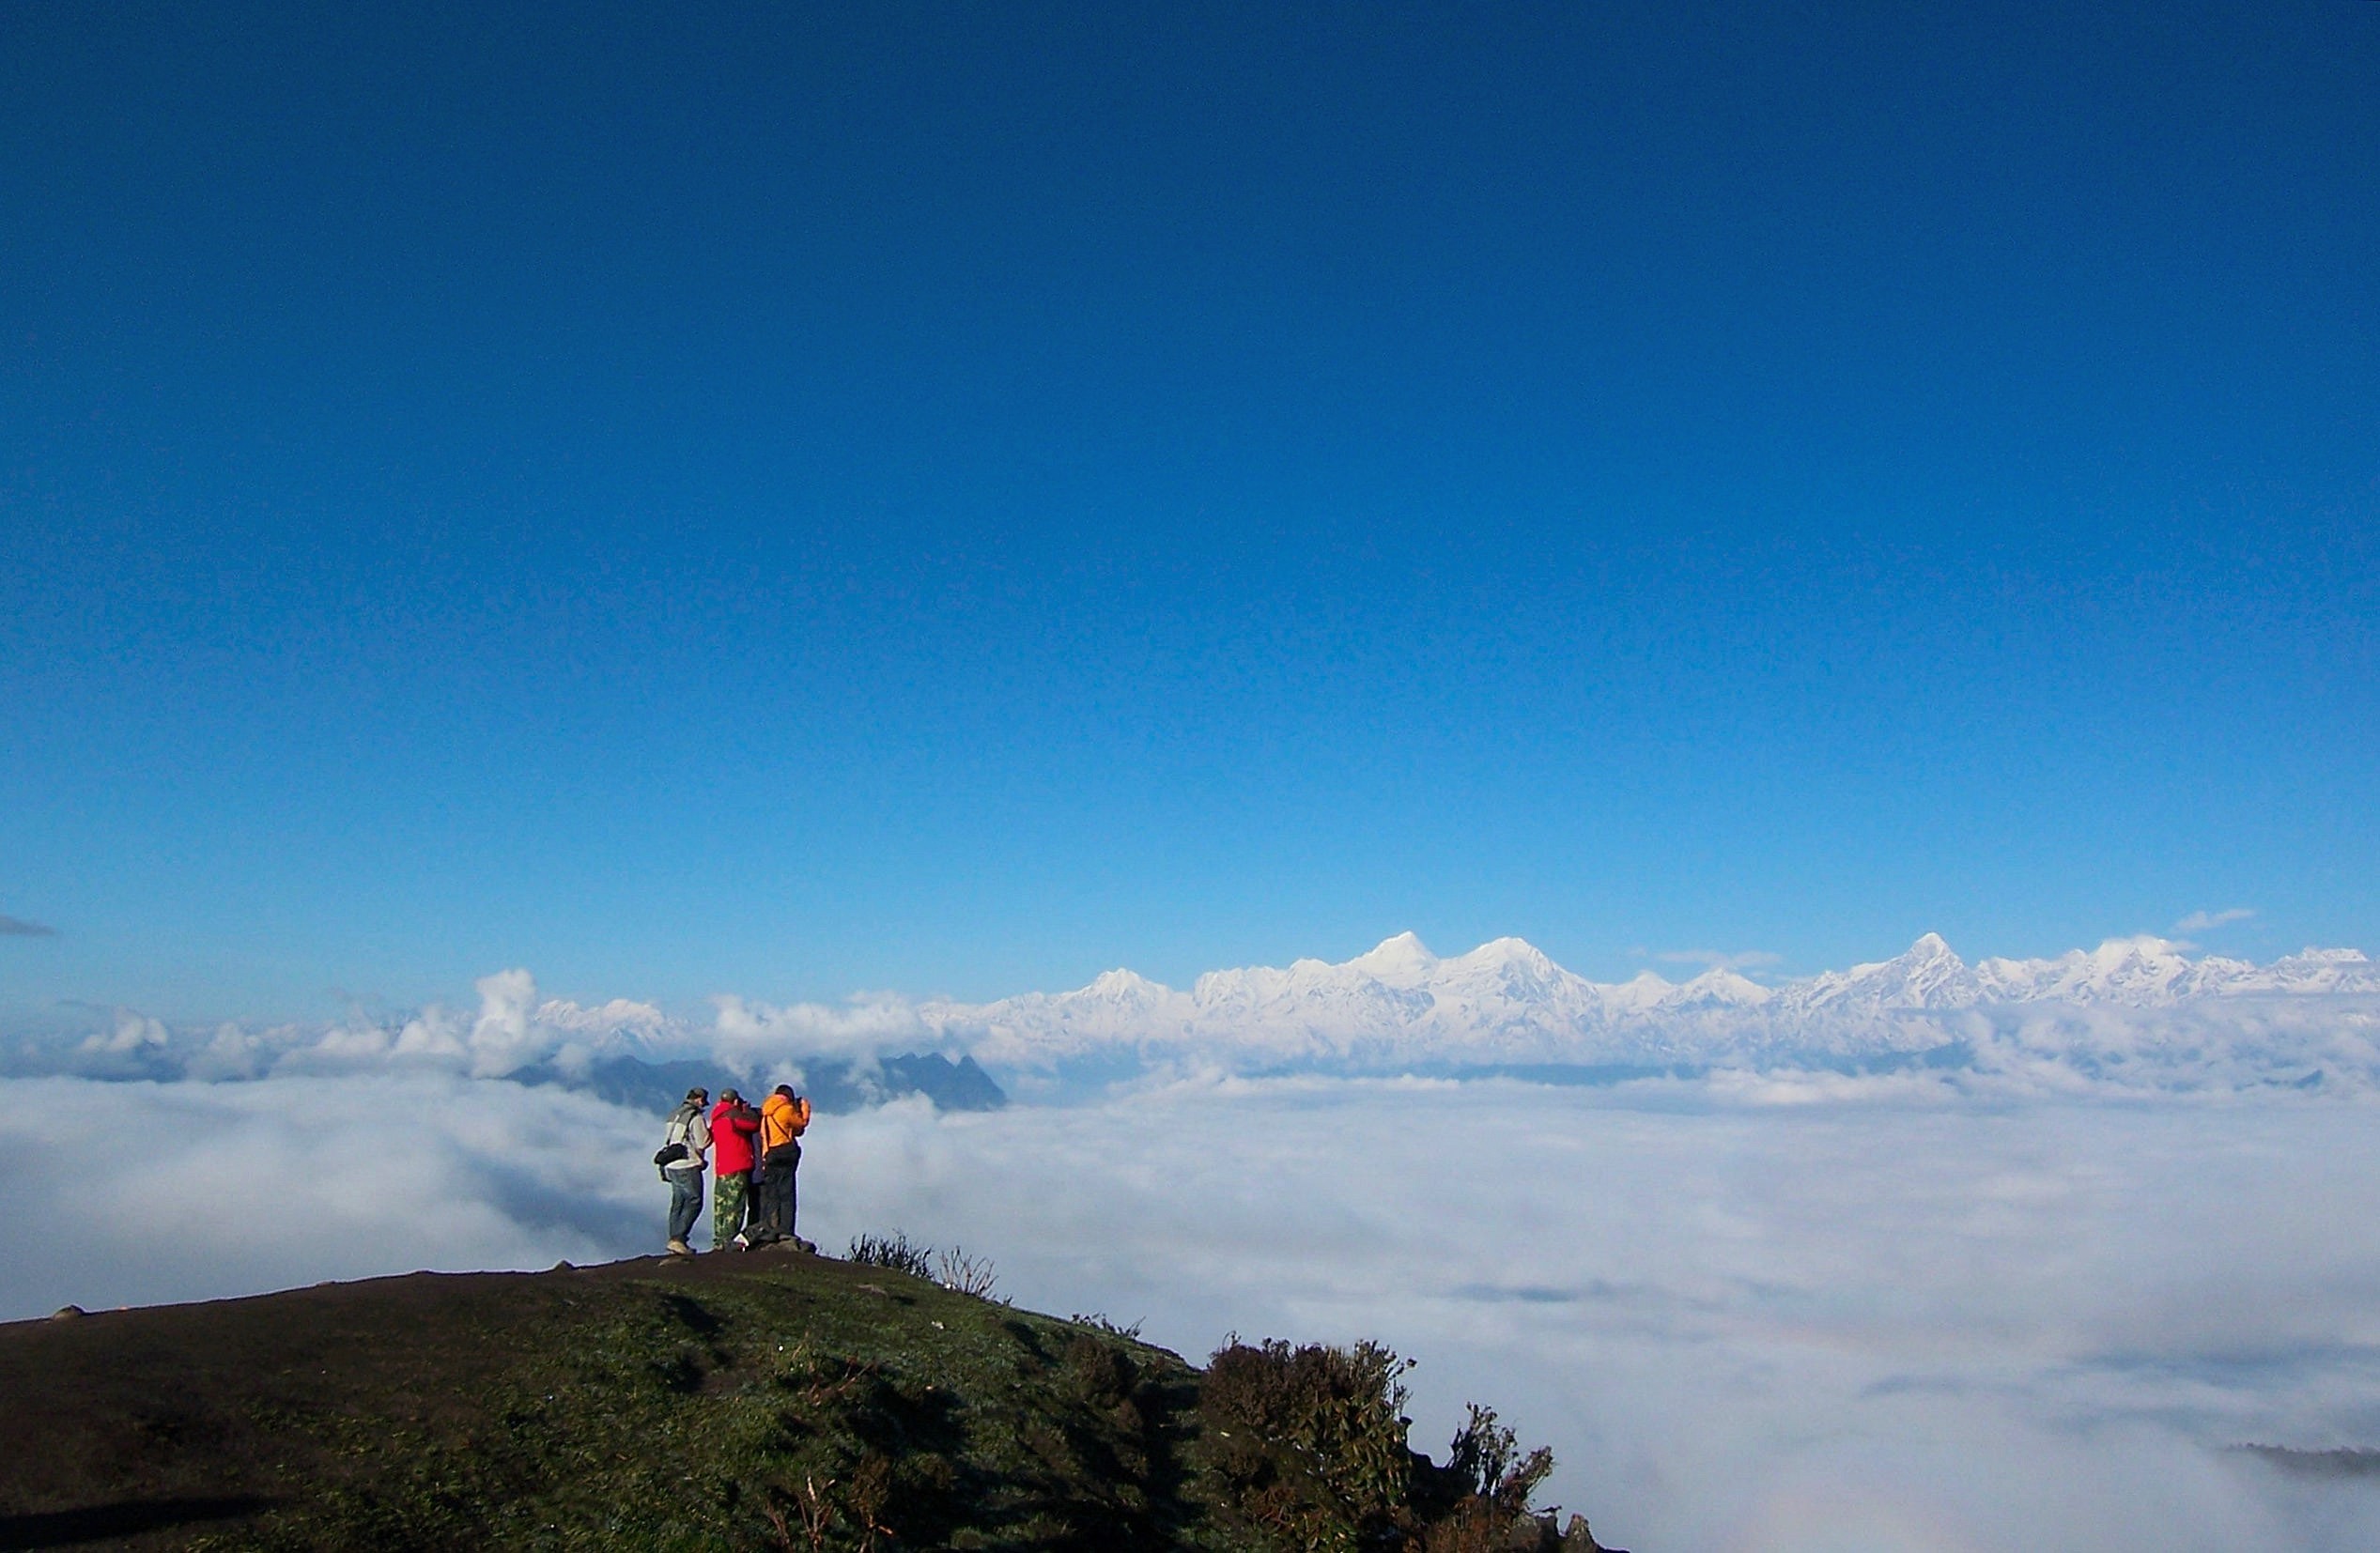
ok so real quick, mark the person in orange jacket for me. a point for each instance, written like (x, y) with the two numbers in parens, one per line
(784, 1116)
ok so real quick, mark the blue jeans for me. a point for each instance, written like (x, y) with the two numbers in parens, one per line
(685, 1202)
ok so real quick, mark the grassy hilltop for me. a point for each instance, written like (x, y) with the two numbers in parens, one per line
(763, 1401)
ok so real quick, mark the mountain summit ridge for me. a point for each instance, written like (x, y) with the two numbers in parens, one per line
(2140, 969)
(1507, 1001)
(2139, 1010)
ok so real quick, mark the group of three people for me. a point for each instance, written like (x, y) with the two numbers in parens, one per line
(753, 1155)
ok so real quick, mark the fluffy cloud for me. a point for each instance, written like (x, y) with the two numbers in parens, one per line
(2198, 922)
(1884, 1312)
(748, 1035)
(513, 1030)
(130, 1035)
(1798, 1311)
(137, 1192)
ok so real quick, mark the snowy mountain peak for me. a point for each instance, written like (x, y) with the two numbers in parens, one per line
(1927, 974)
(1718, 987)
(1505, 1001)
(1515, 953)
(2313, 970)
(2143, 970)
(1124, 986)
(2118, 952)
(1402, 955)
(1642, 993)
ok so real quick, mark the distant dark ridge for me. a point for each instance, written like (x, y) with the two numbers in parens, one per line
(836, 1085)
(2348, 1463)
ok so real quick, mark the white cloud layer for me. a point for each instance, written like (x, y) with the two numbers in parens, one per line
(141, 1193)
(748, 1035)
(1813, 1310)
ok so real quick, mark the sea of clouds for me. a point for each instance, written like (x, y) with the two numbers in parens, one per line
(1748, 1312)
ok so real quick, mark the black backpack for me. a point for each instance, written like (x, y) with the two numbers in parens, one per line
(671, 1152)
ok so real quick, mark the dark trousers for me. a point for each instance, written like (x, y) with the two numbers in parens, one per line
(776, 1198)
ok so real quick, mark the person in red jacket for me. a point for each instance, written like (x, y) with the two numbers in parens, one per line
(733, 1127)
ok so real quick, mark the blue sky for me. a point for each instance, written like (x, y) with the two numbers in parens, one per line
(792, 499)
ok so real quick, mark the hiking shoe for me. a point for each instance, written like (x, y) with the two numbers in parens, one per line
(679, 1248)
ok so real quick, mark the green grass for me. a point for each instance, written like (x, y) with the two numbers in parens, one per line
(802, 1405)
(737, 1401)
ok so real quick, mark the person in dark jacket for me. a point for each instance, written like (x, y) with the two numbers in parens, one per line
(733, 1125)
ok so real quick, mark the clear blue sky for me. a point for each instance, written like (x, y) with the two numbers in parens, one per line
(790, 499)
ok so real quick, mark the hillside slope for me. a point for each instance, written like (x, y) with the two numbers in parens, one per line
(761, 1401)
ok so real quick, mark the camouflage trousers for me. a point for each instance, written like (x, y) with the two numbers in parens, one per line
(727, 1207)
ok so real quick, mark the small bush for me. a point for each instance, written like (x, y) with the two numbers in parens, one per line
(1309, 1442)
(1482, 1451)
(966, 1273)
(1488, 1484)
(1097, 1372)
(893, 1251)
(1308, 1446)
(1097, 1321)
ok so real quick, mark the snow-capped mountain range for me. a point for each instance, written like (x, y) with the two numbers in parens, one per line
(2138, 1014)
(1506, 1003)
